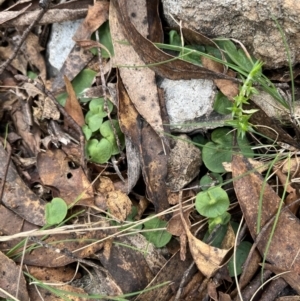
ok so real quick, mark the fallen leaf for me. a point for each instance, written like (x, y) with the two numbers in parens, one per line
(96, 16)
(119, 204)
(139, 83)
(55, 171)
(72, 105)
(17, 196)
(9, 273)
(284, 246)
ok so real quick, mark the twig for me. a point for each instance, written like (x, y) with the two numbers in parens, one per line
(44, 5)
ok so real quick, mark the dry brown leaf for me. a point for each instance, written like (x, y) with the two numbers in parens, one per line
(153, 161)
(139, 82)
(17, 196)
(50, 17)
(59, 274)
(46, 257)
(119, 204)
(96, 16)
(207, 258)
(72, 105)
(55, 171)
(9, 15)
(77, 59)
(284, 247)
(20, 62)
(9, 272)
(32, 51)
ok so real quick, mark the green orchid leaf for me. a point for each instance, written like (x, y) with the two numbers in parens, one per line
(81, 82)
(212, 202)
(158, 237)
(99, 151)
(220, 149)
(222, 219)
(104, 33)
(87, 132)
(97, 106)
(242, 253)
(222, 104)
(94, 121)
(56, 211)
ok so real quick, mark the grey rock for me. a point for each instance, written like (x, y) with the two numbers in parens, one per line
(248, 21)
(190, 105)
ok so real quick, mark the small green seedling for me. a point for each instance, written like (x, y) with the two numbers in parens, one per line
(219, 150)
(56, 211)
(222, 219)
(158, 237)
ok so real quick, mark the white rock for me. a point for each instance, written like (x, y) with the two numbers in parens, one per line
(60, 43)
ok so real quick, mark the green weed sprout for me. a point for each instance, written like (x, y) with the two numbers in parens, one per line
(240, 116)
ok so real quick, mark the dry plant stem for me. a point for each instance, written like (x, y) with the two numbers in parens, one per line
(184, 281)
(66, 253)
(5, 171)
(62, 110)
(104, 89)
(44, 8)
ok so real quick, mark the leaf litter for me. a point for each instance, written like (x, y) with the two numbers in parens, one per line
(111, 204)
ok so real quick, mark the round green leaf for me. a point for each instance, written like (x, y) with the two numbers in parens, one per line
(87, 132)
(210, 180)
(93, 120)
(97, 106)
(213, 155)
(99, 151)
(158, 237)
(212, 202)
(222, 104)
(241, 255)
(55, 211)
(106, 129)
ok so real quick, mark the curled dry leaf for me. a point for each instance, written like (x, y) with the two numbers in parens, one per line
(150, 54)
(207, 258)
(72, 105)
